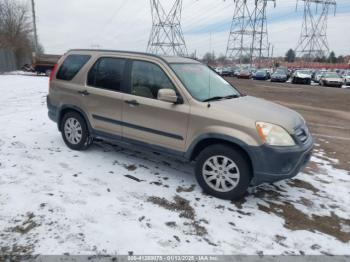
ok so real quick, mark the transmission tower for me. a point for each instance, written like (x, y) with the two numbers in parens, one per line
(248, 39)
(313, 41)
(166, 35)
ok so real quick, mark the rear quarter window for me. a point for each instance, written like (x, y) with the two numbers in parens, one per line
(71, 66)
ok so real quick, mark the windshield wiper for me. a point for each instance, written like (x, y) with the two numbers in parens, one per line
(215, 98)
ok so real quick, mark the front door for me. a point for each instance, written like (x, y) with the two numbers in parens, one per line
(147, 119)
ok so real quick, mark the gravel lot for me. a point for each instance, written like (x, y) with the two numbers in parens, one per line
(111, 200)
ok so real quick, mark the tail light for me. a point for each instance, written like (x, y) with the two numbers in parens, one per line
(53, 72)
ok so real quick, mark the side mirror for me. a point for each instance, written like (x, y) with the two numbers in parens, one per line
(168, 95)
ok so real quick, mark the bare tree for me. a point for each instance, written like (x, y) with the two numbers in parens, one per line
(16, 29)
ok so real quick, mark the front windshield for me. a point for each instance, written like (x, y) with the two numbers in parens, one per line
(202, 82)
(332, 76)
(280, 72)
(305, 72)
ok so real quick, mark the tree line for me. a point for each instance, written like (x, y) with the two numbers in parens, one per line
(16, 29)
(332, 58)
(290, 56)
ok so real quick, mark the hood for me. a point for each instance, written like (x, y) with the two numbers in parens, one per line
(301, 75)
(279, 75)
(255, 109)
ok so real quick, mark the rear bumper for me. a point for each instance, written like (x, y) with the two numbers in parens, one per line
(52, 110)
(273, 164)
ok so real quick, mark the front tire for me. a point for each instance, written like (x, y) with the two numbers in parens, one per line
(75, 132)
(223, 172)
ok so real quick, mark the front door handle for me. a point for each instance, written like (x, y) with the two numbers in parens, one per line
(132, 102)
(84, 93)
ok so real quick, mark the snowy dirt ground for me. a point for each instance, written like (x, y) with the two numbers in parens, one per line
(110, 200)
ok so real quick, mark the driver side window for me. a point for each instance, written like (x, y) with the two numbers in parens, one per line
(147, 79)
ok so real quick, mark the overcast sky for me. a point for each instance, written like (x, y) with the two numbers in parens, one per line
(126, 24)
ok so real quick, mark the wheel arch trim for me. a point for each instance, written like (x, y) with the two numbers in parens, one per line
(225, 138)
(67, 107)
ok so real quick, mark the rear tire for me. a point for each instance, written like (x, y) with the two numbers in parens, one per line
(223, 172)
(75, 132)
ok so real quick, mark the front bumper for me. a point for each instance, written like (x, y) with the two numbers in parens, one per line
(244, 76)
(333, 83)
(300, 80)
(277, 79)
(259, 78)
(273, 164)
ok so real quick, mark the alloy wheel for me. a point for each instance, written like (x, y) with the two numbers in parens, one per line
(221, 173)
(73, 131)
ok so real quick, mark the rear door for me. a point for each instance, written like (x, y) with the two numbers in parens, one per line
(147, 119)
(105, 85)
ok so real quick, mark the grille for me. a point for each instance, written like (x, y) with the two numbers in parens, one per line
(302, 134)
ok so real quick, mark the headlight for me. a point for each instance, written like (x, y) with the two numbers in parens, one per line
(274, 135)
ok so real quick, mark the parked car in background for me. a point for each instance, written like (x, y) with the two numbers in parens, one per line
(231, 71)
(284, 70)
(269, 72)
(301, 77)
(180, 107)
(318, 74)
(331, 79)
(236, 72)
(245, 74)
(279, 76)
(218, 70)
(346, 78)
(225, 71)
(261, 75)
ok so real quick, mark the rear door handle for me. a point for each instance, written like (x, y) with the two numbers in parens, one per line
(84, 93)
(132, 102)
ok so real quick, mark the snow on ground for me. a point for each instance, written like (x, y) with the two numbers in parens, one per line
(54, 200)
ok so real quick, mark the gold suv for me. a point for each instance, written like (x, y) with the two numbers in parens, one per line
(180, 107)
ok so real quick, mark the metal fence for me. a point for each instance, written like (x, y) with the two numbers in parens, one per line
(7, 60)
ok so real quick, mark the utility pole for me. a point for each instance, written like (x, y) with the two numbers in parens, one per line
(313, 40)
(166, 36)
(34, 28)
(272, 58)
(248, 36)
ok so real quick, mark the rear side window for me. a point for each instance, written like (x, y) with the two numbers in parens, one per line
(71, 66)
(107, 73)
